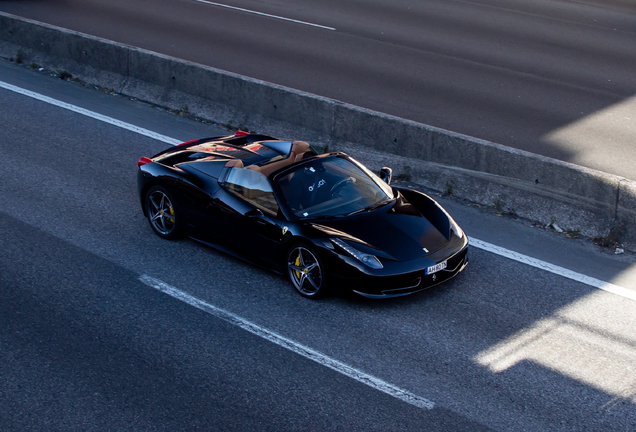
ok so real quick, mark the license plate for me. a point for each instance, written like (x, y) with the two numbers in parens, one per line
(436, 267)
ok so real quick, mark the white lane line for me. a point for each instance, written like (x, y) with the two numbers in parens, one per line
(596, 283)
(91, 114)
(289, 344)
(265, 14)
(561, 271)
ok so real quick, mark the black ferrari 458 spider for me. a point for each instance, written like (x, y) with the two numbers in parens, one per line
(324, 220)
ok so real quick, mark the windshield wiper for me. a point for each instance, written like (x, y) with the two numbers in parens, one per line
(372, 206)
(325, 217)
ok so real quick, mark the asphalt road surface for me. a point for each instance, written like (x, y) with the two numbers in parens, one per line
(555, 78)
(87, 344)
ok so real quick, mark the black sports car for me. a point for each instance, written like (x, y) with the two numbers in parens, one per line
(325, 220)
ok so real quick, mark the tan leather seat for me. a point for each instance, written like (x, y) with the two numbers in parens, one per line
(234, 163)
(298, 149)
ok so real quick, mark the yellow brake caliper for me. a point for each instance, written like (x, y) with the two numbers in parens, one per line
(297, 263)
(171, 214)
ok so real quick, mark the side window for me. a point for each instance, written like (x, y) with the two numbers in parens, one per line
(253, 187)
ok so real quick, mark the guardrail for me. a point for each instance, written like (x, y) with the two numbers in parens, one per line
(575, 198)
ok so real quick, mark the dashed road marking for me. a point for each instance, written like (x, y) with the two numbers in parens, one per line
(289, 344)
(265, 14)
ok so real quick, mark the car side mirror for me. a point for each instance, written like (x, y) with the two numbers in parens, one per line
(385, 174)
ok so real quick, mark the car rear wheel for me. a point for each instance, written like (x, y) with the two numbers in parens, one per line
(306, 272)
(162, 215)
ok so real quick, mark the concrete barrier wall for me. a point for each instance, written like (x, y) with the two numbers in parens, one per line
(626, 212)
(415, 140)
(529, 185)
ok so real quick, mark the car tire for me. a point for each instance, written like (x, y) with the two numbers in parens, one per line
(306, 271)
(162, 214)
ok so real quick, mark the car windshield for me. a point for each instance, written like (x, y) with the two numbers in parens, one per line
(332, 186)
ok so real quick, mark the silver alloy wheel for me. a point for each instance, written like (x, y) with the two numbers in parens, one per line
(304, 271)
(161, 212)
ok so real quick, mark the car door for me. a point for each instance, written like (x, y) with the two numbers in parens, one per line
(245, 213)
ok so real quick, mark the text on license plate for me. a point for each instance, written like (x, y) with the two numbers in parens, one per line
(436, 267)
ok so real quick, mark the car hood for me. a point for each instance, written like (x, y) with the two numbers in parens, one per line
(398, 229)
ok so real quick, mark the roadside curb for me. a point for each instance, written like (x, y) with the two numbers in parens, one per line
(578, 199)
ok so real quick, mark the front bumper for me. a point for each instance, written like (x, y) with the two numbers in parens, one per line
(402, 279)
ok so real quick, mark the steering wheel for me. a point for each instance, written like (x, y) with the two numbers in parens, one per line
(335, 190)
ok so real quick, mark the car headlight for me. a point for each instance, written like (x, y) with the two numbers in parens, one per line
(456, 229)
(367, 259)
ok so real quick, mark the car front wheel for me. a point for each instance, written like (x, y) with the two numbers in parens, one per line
(306, 271)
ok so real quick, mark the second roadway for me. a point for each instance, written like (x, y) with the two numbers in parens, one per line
(554, 78)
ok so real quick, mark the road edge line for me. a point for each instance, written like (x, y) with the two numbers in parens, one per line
(555, 269)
